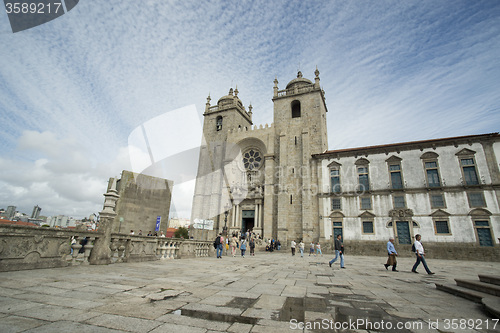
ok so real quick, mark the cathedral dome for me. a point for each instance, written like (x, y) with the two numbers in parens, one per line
(299, 82)
(230, 98)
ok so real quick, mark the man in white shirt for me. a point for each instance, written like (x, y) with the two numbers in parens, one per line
(292, 246)
(419, 252)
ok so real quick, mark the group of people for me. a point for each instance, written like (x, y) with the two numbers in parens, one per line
(273, 245)
(417, 248)
(235, 242)
(150, 234)
(312, 248)
(245, 240)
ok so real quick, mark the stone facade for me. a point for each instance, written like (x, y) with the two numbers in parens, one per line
(282, 181)
(445, 189)
(142, 199)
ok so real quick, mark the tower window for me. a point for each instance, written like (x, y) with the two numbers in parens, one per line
(295, 109)
(218, 123)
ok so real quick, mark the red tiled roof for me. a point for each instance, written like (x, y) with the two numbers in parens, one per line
(170, 232)
(2, 221)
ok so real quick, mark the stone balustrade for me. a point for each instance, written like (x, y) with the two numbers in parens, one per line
(26, 247)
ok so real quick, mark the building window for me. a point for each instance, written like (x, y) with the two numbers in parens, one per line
(364, 183)
(368, 227)
(335, 180)
(336, 204)
(366, 203)
(442, 227)
(396, 179)
(476, 199)
(295, 109)
(337, 229)
(431, 170)
(437, 201)
(218, 123)
(252, 159)
(399, 201)
(483, 232)
(469, 171)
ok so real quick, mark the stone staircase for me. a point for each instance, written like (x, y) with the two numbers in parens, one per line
(486, 291)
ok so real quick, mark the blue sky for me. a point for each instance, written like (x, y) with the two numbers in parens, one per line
(74, 89)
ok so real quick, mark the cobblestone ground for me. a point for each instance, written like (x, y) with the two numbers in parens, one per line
(271, 292)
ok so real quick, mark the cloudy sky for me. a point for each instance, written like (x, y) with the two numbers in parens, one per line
(74, 90)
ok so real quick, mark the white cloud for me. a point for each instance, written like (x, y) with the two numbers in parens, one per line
(65, 180)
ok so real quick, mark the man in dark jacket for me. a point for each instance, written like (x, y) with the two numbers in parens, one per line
(339, 251)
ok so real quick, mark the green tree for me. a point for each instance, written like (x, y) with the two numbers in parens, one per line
(181, 233)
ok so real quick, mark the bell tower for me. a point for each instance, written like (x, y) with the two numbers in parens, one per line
(228, 113)
(300, 123)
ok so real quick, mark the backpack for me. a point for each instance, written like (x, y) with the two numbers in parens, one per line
(217, 242)
(413, 249)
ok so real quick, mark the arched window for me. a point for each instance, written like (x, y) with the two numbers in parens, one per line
(295, 109)
(218, 123)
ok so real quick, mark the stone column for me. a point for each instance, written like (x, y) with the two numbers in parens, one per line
(268, 213)
(257, 215)
(101, 253)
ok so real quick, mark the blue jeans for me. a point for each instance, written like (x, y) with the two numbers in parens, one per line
(219, 250)
(337, 254)
(301, 251)
(421, 259)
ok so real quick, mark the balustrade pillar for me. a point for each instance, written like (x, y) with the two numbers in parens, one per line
(76, 247)
(88, 249)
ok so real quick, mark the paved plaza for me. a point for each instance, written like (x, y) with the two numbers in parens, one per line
(271, 292)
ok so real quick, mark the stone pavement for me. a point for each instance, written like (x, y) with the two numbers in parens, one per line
(271, 292)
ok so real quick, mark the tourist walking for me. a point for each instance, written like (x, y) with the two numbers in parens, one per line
(318, 249)
(339, 252)
(419, 252)
(391, 252)
(234, 242)
(292, 246)
(219, 240)
(301, 248)
(311, 248)
(252, 247)
(243, 247)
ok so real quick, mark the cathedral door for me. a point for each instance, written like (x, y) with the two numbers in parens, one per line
(248, 220)
(403, 230)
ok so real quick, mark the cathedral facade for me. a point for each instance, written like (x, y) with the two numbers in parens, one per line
(281, 181)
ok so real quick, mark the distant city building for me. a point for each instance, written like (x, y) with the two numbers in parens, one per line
(61, 221)
(179, 222)
(36, 212)
(10, 212)
(142, 199)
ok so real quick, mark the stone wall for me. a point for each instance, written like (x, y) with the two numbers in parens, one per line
(24, 247)
(142, 199)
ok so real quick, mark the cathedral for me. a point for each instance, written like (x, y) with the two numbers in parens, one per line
(281, 181)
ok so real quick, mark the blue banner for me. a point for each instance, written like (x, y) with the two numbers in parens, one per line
(158, 221)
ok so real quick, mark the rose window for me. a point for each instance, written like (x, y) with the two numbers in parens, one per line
(252, 159)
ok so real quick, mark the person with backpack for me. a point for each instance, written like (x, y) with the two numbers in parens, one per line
(391, 251)
(243, 247)
(419, 252)
(219, 240)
